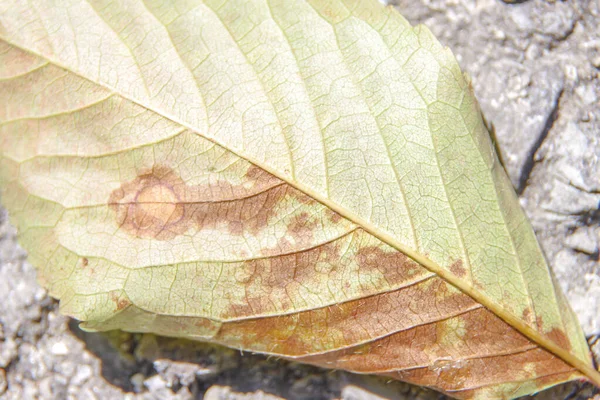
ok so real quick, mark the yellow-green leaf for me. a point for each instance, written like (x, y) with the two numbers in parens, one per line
(305, 178)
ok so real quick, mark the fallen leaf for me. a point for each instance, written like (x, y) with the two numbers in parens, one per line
(308, 179)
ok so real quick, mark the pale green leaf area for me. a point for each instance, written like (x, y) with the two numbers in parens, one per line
(305, 178)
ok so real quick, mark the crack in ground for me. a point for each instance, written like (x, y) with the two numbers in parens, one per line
(530, 159)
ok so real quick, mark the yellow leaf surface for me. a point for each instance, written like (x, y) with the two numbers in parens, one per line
(310, 179)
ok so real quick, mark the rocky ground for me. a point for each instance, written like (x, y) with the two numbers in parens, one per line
(535, 67)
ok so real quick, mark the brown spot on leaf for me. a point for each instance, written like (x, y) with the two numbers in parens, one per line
(482, 335)
(456, 374)
(255, 173)
(278, 278)
(348, 323)
(83, 262)
(305, 199)
(458, 269)
(245, 273)
(270, 278)
(204, 324)
(527, 315)
(485, 329)
(391, 264)
(301, 229)
(159, 205)
(242, 309)
(120, 302)
(539, 322)
(499, 391)
(235, 228)
(273, 276)
(560, 338)
(284, 245)
(335, 217)
(555, 334)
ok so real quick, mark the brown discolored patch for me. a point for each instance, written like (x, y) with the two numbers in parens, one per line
(458, 269)
(556, 335)
(255, 173)
(83, 262)
(268, 279)
(269, 334)
(539, 322)
(456, 375)
(485, 330)
(159, 205)
(235, 228)
(335, 217)
(484, 339)
(499, 391)
(284, 245)
(121, 302)
(305, 199)
(277, 276)
(348, 324)
(393, 265)
(301, 229)
(203, 324)
(245, 273)
(543, 381)
(276, 279)
(560, 338)
(527, 315)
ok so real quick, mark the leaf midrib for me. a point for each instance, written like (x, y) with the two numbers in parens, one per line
(369, 227)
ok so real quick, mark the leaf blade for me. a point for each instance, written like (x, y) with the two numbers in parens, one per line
(350, 202)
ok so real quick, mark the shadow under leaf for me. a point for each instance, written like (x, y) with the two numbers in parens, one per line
(197, 366)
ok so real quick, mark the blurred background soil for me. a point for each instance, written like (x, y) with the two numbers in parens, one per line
(535, 67)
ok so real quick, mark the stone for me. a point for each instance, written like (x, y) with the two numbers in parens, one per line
(225, 393)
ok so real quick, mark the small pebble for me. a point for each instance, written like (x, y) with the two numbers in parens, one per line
(59, 349)
(571, 72)
(155, 383)
(137, 380)
(84, 372)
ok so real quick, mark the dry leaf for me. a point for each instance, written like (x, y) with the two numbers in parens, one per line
(309, 179)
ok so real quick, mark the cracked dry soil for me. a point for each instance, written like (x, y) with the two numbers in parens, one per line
(536, 71)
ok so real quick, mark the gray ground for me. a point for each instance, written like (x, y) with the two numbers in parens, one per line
(535, 68)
